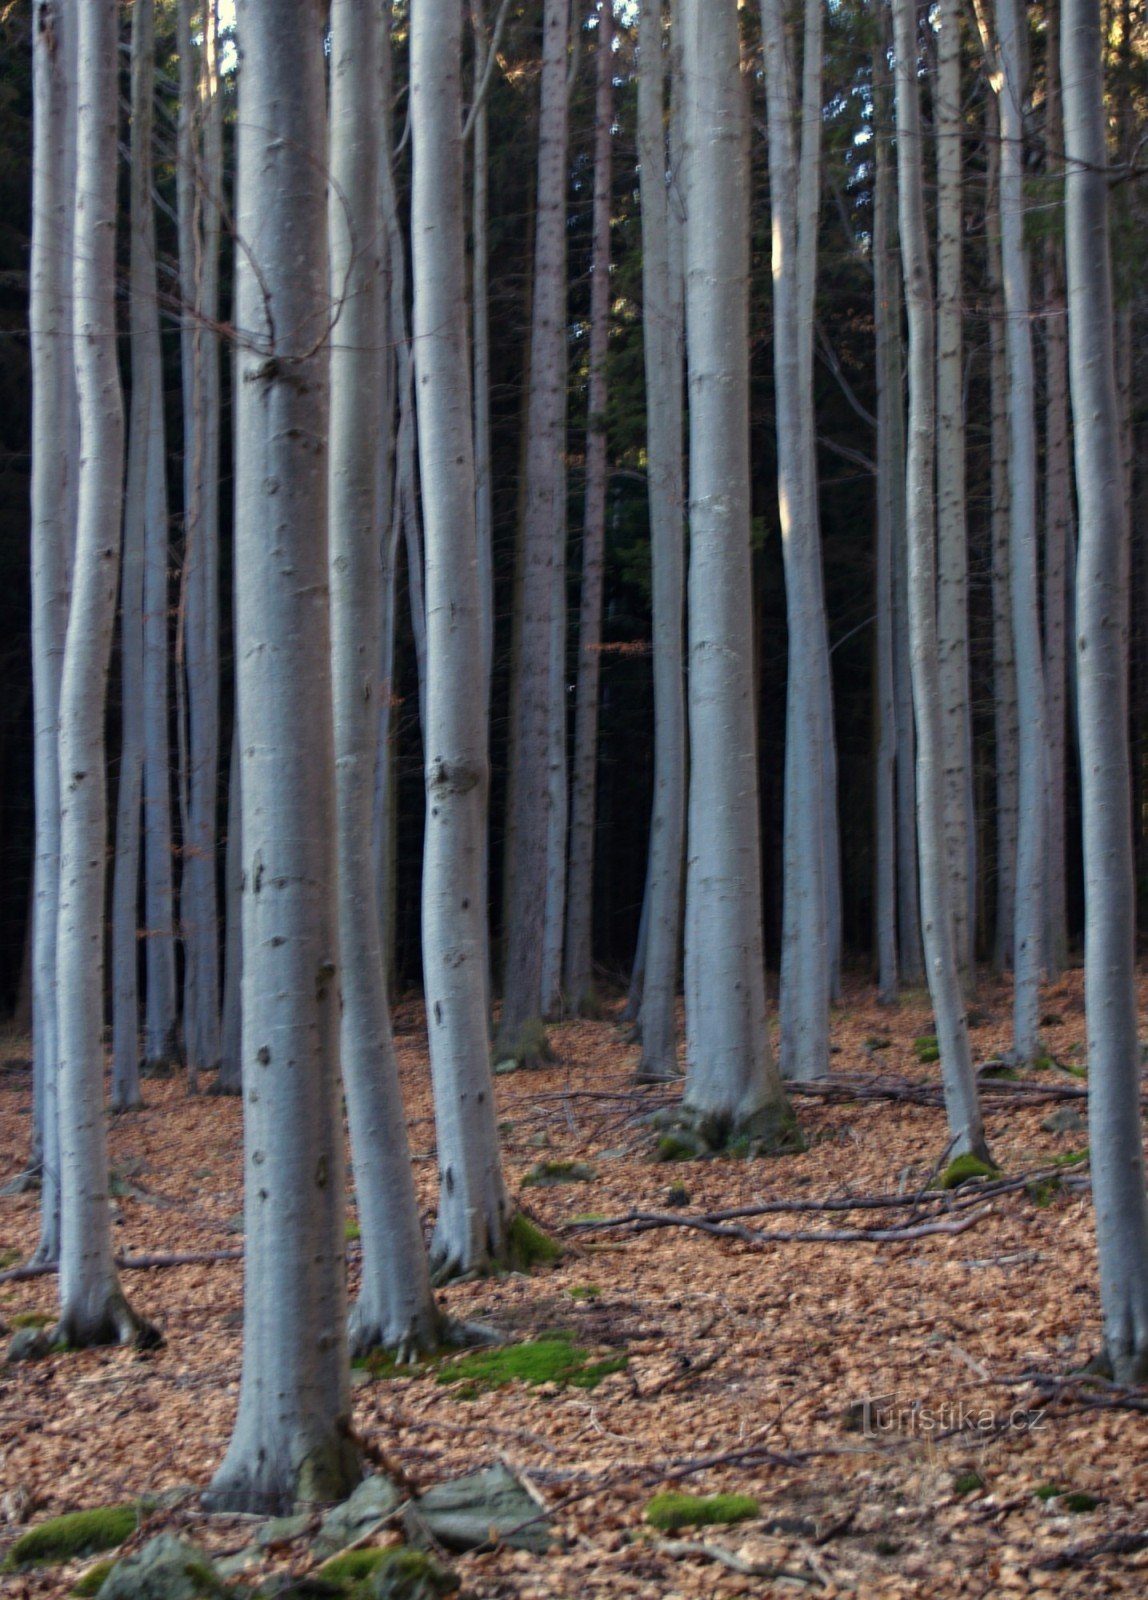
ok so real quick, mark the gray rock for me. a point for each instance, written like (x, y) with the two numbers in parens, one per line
(166, 1568)
(281, 1530)
(1065, 1121)
(28, 1344)
(479, 1509)
(374, 1499)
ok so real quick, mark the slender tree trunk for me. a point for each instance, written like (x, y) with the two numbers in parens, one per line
(291, 1443)
(579, 977)
(663, 335)
(1057, 522)
(952, 532)
(890, 520)
(731, 1081)
(230, 1080)
(52, 529)
(198, 180)
(1102, 668)
(93, 1309)
(794, 184)
(961, 1103)
(530, 884)
(480, 274)
(1032, 782)
(1007, 732)
(474, 1206)
(395, 1307)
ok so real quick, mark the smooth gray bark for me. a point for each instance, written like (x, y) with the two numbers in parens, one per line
(93, 1309)
(794, 186)
(1102, 668)
(198, 181)
(54, 467)
(534, 793)
(474, 1206)
(663, 335)
(952, 531)
(961, 1104)
(1028, 940)
(291, 1443)
(230, 1080)
(395, 1307)
(578, 979)
(731, 1081)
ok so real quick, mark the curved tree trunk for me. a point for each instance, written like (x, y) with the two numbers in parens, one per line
(93, 1309)
(474, 1206)
(731, 1082)
(395, 1307)
(52, 525)
(291, 1443)
(1102, 667)
(960, 1090)
(578, 955)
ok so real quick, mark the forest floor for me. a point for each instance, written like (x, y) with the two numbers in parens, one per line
(875, 1398)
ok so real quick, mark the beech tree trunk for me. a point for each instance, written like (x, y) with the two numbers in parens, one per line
(535, 792)
(663, 342)
(1102, 669)
(291, 1443)
(54, 488)
(474, 1207)
(731, 1081)
(1032, 782)
(952, 532)
(395, 1307)
(794, 185)
(961, 1104)
(93, 1309)
(578, 980)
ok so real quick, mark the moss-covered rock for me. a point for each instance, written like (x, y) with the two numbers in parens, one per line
(687, 1134)
(674, 1510)
(963, 1169)
(92, 1581)
(75, 1534)
(351, 1566)
(553, 1360)
(166, 1568)
(528, 1246)
(476, 1510)
(549, 1174)
(374, 1500)
(405, 1574)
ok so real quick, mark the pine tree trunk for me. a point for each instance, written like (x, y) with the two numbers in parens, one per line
(54, 470)
(952, 533)
(731, 1082)
(961, 1103)
(890, 523)
(198, 189)
(93, 1309)
(531, 864)
(291, 1443)
(663, 339)
(395, 1308)
(579, 977)
(1032, 783)
(1102, 665)
(794, 182)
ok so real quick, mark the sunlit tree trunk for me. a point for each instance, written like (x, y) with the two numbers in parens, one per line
(531, 861)
(1102, 666)
(198, 176)
(579, 980)
(93, 1309)
(731, 1081)
(952, 532)
(395, 1307)
(662, 335)
(54, 467)
(961, 1102)
(794, 186)
(474, 1206)
(291, 1443)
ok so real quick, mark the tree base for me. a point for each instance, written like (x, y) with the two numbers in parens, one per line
(259, 1482)
(528, 1048)
(111, 1321)
(523, 1246)
(688, 1134)
(405, 1344)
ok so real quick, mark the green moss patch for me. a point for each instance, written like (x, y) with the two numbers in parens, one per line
(672, 1510)
(405, 1574)
(926, 1047)
(1079, 1503)
(1048, 1491)
(551, 1360)
(77, 1533)
(351, 1566)
(548, 1174)
(31, 1319)
(585, 1291)
(962, 1169)
(968, 1483)
(527, 1246)
(1072, 1158)
(351, 1230)
(93, 1580)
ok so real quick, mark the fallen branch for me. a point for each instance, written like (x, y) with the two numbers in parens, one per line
(188, 1258)
(689, 1549)
(644, 1221)
(1079, 1555)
